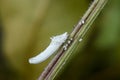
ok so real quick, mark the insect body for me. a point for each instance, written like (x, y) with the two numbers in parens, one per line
(55, 44)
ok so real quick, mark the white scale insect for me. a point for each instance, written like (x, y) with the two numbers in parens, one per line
(55, 44)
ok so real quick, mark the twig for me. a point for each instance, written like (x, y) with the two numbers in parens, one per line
(77, 34)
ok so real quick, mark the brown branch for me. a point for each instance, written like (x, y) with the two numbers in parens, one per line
(79, 31)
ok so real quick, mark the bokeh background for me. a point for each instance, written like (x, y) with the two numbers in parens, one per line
(27, 25)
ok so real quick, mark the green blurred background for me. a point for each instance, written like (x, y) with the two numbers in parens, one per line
(27, 25)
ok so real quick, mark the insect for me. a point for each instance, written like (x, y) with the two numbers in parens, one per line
(55, 44)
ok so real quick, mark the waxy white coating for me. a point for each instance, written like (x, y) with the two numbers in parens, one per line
(55, 44)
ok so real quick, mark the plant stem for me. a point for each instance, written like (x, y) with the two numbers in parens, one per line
(63, 56)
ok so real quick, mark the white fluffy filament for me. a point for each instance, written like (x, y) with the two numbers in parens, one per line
(55, 44)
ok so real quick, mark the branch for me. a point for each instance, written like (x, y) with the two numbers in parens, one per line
(64, 54)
